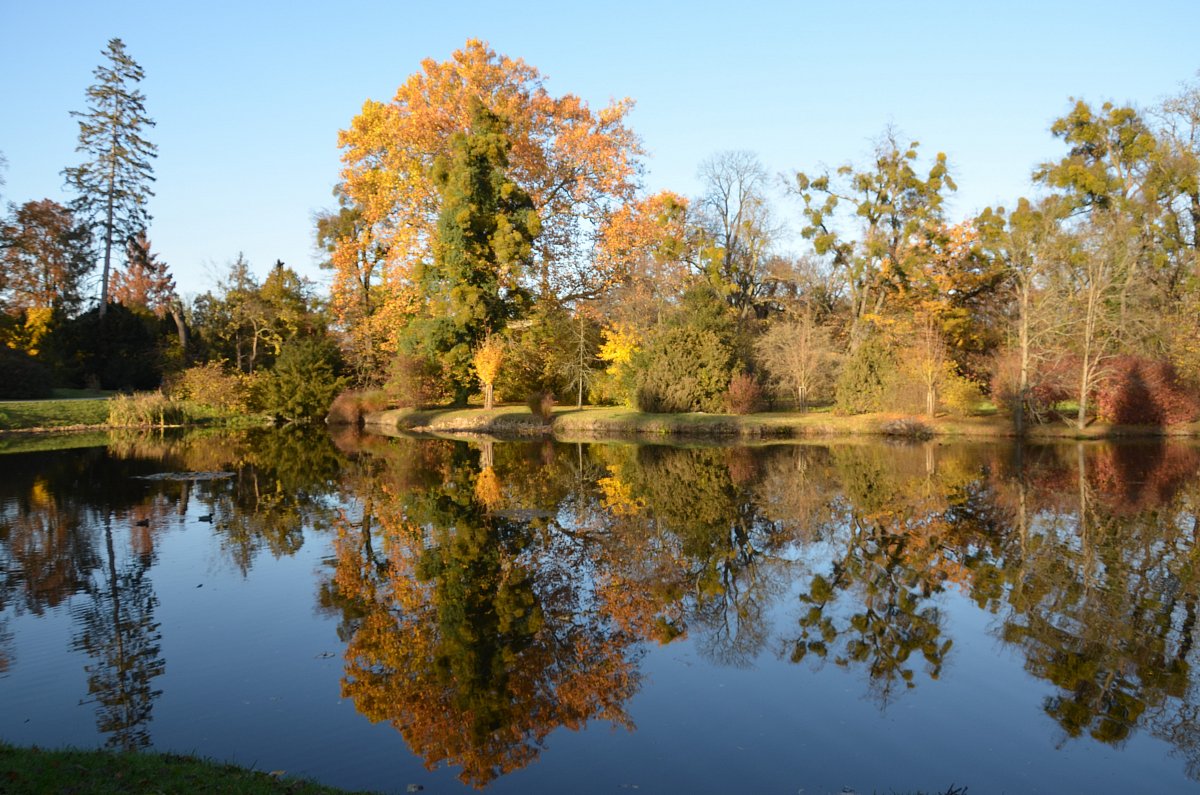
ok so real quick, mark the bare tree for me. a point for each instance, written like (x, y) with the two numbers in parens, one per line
(736, 217)
(798, 352)
(1026, 242)
(1094, 277)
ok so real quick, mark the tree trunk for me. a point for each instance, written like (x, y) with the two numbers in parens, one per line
(1023, 353)
(108, 226)
(487, 396)
(180, 327)
(579, 396)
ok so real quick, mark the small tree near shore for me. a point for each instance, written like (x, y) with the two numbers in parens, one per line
(487, 359)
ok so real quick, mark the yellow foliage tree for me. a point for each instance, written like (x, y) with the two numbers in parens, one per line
(488, 358)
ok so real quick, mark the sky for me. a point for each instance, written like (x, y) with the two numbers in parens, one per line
(249, 96)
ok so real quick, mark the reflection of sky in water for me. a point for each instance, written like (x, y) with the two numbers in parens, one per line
(253, 670)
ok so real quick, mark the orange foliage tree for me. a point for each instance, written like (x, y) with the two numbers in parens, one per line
(578, 165)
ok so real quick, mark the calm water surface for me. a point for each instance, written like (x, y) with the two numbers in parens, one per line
(375, 613)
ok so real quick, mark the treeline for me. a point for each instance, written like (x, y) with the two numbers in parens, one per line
(242, 346)
(482, 216)
(493, 239)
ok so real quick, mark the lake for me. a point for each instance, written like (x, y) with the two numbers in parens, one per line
(376, 613)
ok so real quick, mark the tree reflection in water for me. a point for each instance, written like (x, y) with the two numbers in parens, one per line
(490, 594)
(480, 627)
(80, 527)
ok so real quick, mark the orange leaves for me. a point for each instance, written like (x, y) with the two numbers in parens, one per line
(575, 164)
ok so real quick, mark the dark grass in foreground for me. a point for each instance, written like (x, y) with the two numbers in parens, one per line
(32, 771)
(36, 772)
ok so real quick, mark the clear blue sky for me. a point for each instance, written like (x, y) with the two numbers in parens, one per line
(249, 95)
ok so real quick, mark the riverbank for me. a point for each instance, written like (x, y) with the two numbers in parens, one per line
(37, 416)
(611, 422)
(72, 415)
(35, 771)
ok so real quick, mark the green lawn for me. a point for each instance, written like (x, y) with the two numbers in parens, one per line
(31, 771)
(64, 413)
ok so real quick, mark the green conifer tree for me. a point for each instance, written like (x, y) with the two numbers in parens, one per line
(112, 185)
(485, 233)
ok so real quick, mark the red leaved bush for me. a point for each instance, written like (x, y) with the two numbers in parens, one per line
(1141, 391)
(744, 395)
(1050, 382)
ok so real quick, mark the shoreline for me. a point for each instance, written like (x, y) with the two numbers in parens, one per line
(617, 423)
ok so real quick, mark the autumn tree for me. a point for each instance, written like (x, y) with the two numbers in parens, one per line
(44, 251)
(1098, 268)
(358, 261)
(654, 245)
(249, 323)
(1179, 134)
(112, 185)
(864, 219)
(576, 165)
(1114, 183)
(145, 281)
(1025, 245)
(482, 249)
(487, 360)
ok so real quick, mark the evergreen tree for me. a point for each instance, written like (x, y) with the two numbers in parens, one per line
(113, 182)
(483, 248)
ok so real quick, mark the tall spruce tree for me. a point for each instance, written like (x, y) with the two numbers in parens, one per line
(112, 185)
(483, 249)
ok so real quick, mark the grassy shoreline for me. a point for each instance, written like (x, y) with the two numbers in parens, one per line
(608, 422)
(55, 416)
(35, 771)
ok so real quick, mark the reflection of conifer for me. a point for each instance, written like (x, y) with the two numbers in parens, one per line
(118, 631)
(477, 641)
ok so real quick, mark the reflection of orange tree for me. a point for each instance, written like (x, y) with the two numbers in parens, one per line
(46, 551)
(474, 642)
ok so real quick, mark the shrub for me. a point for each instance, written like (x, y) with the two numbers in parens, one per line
(22, 377)
(868, 379)
(213, 386)
(1141, 391)
(350, 405)
(683, 369)
(960, 394)
(541, 405)
(907, 428)
(1051, 383)
(744, 395)
(146, 410)
(346, 409)
(301, 386)
(412, 381)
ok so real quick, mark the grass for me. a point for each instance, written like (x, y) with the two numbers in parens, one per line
(89, 413)
(34, 771)
(63, 393)
(68, 413)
